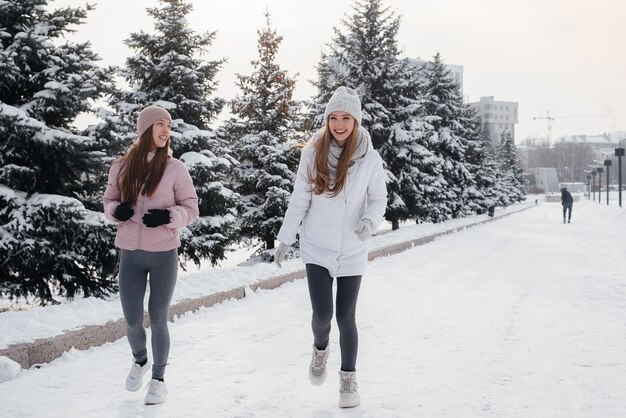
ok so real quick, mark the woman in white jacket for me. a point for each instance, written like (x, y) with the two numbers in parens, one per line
(338, 201)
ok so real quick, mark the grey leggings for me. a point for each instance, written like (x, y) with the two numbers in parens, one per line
(134, 269)
(321, 293)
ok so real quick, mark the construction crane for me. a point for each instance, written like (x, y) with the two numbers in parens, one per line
(549, 119)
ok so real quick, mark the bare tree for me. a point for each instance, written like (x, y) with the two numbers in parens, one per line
(571, 160)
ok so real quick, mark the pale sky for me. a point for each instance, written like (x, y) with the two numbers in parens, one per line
(562, 56)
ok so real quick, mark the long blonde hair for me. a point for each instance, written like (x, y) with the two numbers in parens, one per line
(138, 175)
(321, 182)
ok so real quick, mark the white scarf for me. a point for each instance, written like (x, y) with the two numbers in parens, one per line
(363, 144)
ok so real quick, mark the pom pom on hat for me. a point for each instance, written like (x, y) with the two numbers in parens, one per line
(346, 100)
(148, 116)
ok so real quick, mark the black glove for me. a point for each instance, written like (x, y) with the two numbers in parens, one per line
(123, 212)
(156, 217)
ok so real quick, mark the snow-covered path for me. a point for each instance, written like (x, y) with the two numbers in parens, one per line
(523, 317)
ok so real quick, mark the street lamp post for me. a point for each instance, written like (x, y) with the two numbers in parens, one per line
(607, 164)
(619, 153)
(599, 170)
(593, 184)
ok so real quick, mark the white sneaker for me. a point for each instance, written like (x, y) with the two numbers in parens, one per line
(135, 376)
(156, 392)
(348, 390)
(317, 369)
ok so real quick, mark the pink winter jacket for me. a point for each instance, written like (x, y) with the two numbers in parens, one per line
(175, 192)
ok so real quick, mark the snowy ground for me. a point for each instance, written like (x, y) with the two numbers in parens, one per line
(33, 322)
(523, 317)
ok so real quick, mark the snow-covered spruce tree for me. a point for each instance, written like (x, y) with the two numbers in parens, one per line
(168, 70)
(168, 66)
(409, 154)
(210, 236)
(364, 55)
(418, 173)
(512, 182)
(481, 162)
(50, 243)
(267, 116)
(444, 109)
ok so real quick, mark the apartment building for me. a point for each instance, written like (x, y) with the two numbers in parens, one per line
(497, 117)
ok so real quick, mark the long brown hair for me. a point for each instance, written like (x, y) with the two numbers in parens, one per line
(138, 175)
(321, 182)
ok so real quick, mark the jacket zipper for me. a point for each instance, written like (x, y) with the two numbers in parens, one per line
(345, 208)
(140, 227)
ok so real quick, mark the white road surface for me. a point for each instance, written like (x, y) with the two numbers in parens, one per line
(522, 317)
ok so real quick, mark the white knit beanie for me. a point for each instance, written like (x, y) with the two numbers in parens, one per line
(344, 100)
(148, 116)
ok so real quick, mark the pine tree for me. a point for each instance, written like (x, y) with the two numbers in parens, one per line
(211, 235)
(50, 243)
(480, 161)
(443, 108)
(112, 132)
(365, 57)
(267, 117)
(512, 177)
(168, 70)
(416, 172)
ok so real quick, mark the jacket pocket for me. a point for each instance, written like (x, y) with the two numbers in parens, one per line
(321, 234)
(161, 236)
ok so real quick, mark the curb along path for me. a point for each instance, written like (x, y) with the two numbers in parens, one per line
(45, 350)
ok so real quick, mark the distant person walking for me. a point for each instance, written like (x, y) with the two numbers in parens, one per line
(338, 201)
(149, 196)
(568, 202)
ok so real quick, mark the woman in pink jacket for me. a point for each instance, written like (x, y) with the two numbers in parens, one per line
(149, 195)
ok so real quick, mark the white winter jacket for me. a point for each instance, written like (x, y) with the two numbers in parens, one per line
(326, 224)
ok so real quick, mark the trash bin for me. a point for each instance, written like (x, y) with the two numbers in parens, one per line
(491, 210)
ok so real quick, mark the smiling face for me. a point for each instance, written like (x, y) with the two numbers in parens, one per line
(341, 125)
(160, 133)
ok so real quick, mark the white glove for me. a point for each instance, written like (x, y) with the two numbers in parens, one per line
(364, 229)
(280, 253)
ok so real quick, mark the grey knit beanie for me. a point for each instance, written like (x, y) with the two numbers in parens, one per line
(148, 116)
(344, 100)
